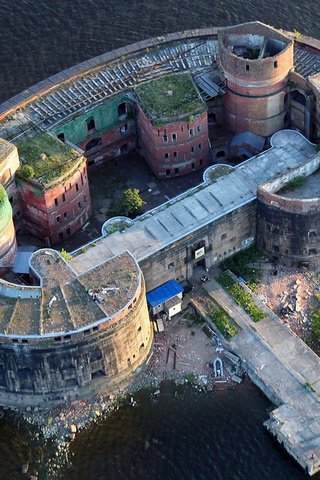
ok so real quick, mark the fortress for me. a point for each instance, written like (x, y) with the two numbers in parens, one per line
(188, 100)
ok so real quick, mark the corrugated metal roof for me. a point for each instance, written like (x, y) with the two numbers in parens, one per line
(164, 292)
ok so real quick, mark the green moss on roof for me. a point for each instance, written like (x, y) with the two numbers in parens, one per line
(5, 148)
(48, 158)
(170, 96)
(5, 209)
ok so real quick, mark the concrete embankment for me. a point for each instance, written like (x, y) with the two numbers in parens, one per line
(287, 372)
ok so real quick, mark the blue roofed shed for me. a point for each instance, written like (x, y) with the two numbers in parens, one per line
(166, 298)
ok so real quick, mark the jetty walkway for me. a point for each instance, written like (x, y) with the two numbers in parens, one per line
(287, 371)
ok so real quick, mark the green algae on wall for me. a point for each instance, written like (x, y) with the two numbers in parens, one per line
(105, 117)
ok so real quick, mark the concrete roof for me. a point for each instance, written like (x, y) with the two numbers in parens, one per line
(201, 205)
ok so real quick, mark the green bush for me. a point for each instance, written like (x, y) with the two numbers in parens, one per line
(316, 324)
(65, 255)
(242, 297)
(238, 264)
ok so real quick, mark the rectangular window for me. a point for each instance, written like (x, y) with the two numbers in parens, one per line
(192, 166)
(77, 187)
(198, 128)
(168, 173)
(191, 132)
(166, 155)
(123, 129)
(165, 138)
(176, 171)
(275, 64)
(63, 197)
(65, 214)
(90, 125)
(192, 149)
(56, 201)
(174, 137)
(58, 218)
(200, 146)
(175, 154)
(247, 67)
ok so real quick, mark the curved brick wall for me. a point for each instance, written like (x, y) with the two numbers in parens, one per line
(59, 209)
(50, 370)
(255, 88)
(289, 229)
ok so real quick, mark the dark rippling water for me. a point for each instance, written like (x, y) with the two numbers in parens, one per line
(201, 437)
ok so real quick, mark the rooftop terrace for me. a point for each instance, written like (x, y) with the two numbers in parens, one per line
(170, 96)
(69, 302)
(47, 156)
(303, 187)
(195, 208)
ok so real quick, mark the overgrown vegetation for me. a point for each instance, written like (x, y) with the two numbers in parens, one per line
(170, 96)
(252, 53)
(225, 324)
(131, 203)
(44, 158)
(65, 255)
(238, 264)
(242, 297)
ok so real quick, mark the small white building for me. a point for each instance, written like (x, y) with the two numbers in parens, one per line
(166, 298)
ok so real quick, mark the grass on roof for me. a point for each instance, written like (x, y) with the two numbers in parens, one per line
(170, 96)
(44, 158)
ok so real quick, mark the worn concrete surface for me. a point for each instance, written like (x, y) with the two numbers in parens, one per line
(287, 371)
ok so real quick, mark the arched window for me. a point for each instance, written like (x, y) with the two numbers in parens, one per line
(95, 142)
(220, 154)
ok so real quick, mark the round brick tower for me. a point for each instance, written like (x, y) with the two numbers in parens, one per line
(256, 60)
(8, 244)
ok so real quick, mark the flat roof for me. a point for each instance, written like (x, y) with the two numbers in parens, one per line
(164, 293)
(170, 96)
(5, 149)
(48, 157)
(201, 205)
(70, 302)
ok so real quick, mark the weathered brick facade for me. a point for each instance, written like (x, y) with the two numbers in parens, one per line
(55, 211)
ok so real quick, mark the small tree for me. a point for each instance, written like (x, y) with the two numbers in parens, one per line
(131, 203)
(65, 255)
(3, 195)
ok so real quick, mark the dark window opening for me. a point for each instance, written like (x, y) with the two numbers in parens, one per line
(312, 251)
(192, 166)
(90, 125)
(224, 236)
(198, 129)
(275, 64)
(61, 136)
(67, 337)
(79, 205)
(139, 329)
(170, 265)
(191, 132)
(192, 149)
(124, 149)
(123, 129)
(175, 154)
(77, 187)
(174, 137)
(220, 154)
(122, 110)
(81, 179)
(56, 201)
(200, 146)
(63, 197)
(65, 214)
(212, 118)
(176, 171)
(166, 155)
(168, 172)
(165, 139)
(298, 97)
(247, 67)
(98, 374)
(58, 218)
(95, 142)
(68, 231)
(200, 161)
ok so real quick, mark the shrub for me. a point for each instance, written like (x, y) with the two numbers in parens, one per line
(316, 323)
(65, 255)
(224, 323)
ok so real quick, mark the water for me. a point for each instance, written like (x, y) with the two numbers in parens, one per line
(214, 436)
(41, 37)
